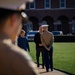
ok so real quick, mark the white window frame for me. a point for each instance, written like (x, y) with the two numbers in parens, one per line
(34, 5)
(45, 4)
(64, 4)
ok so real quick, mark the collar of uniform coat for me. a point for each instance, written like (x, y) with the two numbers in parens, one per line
(5, 39)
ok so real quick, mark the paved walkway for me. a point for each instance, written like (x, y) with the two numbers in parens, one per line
(54, 72)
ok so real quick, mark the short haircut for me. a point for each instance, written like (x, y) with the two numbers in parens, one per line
(5, 13)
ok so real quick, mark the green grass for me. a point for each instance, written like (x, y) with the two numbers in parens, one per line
(64, 56)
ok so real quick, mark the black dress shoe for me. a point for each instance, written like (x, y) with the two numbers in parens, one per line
(43, 67)
(37, 65)
(51, 69)
(47, 70)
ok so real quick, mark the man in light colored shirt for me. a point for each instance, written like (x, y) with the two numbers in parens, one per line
(47, 39)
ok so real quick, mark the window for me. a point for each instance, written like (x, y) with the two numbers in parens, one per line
(73, 28)
(62, 3)
(32, 5)
(57, 25)
(47, 4)
(29, 26)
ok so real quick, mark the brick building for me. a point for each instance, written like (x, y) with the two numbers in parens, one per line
(58, 14)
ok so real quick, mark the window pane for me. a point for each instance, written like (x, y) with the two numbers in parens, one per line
(29, 27)
(62, 5)
(47, 3)
(32, 5)
(62, 0)
(73, 28)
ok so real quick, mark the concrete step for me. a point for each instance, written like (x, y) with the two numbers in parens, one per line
(54, 72)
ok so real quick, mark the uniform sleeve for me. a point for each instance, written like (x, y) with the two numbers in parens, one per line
(52, 40)
(22, 64)
(36, 39)
(43, 42)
